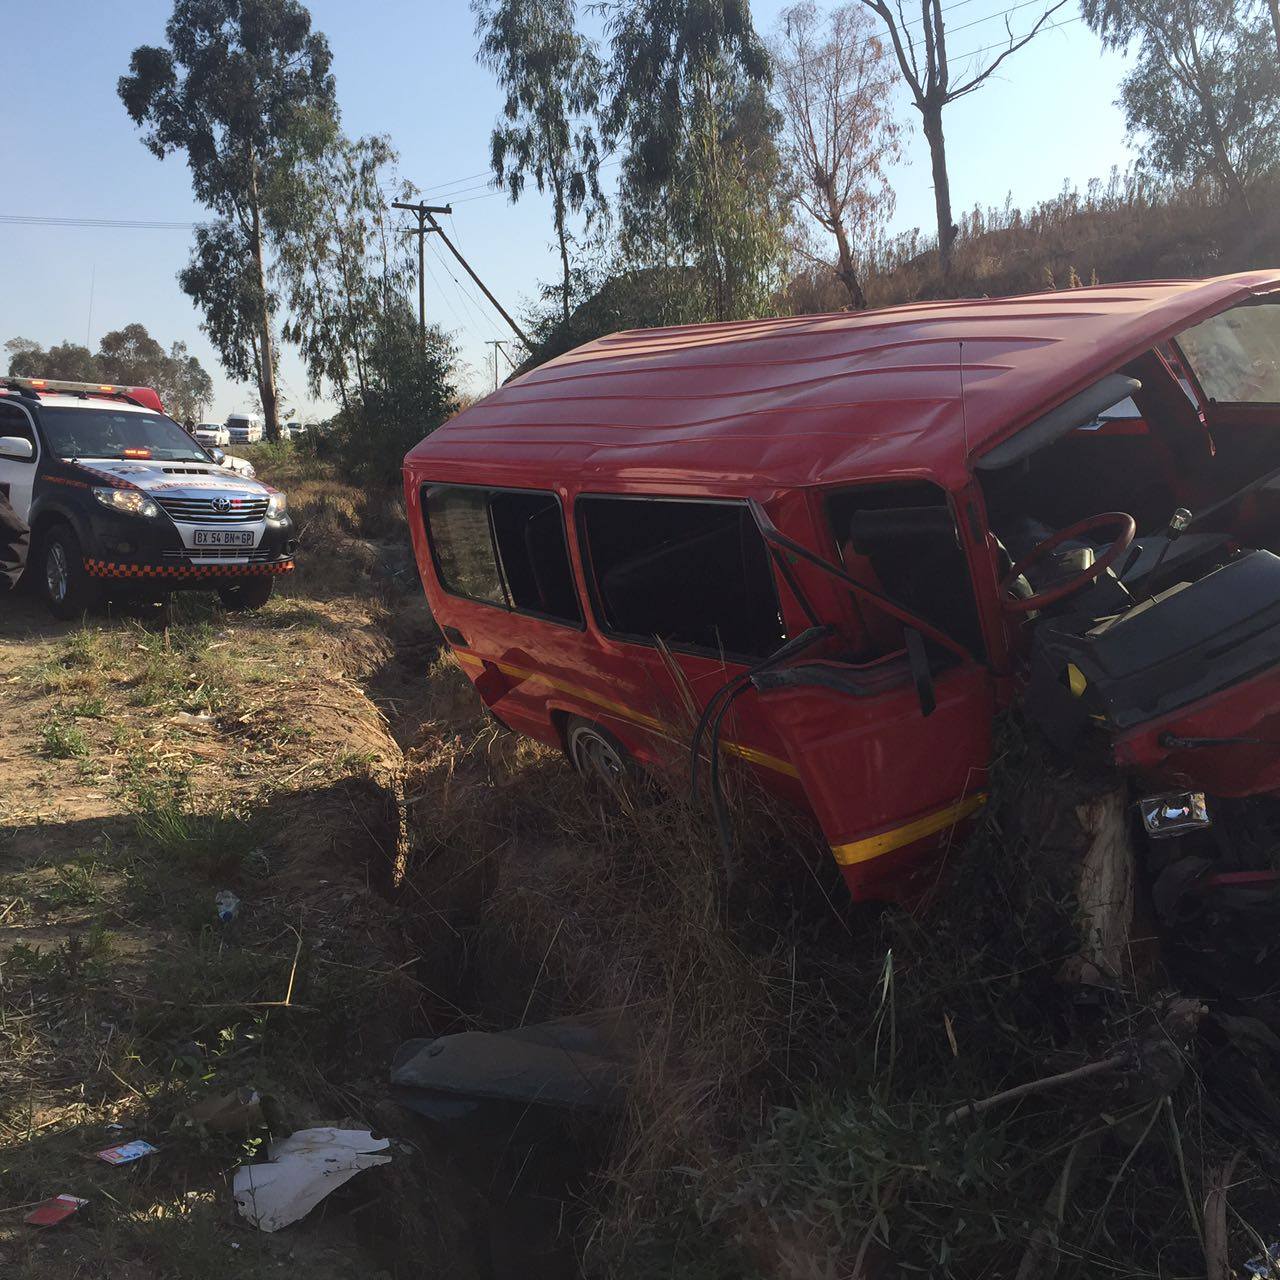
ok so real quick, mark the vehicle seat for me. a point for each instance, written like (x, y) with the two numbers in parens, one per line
(884, 632)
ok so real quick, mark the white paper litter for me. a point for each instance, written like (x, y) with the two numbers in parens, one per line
(305, 1167)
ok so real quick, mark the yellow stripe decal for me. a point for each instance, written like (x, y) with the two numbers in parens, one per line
(750, 754)
(762, 758)
(848, 855)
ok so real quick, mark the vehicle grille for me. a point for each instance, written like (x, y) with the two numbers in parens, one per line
(251, 554)
(201, 510)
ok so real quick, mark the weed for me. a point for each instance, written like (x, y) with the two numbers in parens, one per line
(63, 741)
(80, 958)
(75, 884)
(91, 708)
(214, 846)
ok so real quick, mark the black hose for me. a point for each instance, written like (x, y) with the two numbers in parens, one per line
(712, 721)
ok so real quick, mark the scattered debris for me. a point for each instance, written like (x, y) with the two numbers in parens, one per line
(1263, 1267)
(54, 1210)
(570, 1064)
(233, 1112)
(227, 905)
(304, 1168)
(127, 1152)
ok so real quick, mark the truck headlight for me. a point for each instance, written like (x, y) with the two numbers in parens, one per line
(131, 501)
(277, 505)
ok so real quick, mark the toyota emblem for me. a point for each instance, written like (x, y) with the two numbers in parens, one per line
(222, 504)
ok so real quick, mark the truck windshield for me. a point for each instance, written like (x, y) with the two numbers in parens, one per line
(106, 433)
(1236, 355)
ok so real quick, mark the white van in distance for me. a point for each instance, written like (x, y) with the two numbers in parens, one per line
(244, 428)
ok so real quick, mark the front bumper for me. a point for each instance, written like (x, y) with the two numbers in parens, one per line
(132, 549)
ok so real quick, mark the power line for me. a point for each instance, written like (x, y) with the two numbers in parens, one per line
(470, 304)
(132, 224)
(453, 182)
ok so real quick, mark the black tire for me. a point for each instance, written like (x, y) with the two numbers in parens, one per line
(252, 594)
(600, 758)
(60, 575)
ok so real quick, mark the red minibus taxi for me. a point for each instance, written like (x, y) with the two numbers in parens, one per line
(860, 536)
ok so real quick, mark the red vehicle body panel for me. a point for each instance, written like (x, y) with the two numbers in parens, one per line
(1239, 729)
(783, 411)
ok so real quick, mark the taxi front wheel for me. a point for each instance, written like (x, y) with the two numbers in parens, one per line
(246, 595)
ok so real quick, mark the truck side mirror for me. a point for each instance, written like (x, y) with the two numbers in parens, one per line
(16, 447)
(921, 671)
(218, 456)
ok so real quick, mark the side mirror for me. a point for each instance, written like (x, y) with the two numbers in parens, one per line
(218, 456)
(17, 447)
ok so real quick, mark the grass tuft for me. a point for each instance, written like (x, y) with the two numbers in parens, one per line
(63, 741)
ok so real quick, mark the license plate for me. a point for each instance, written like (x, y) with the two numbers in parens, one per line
(223, 538)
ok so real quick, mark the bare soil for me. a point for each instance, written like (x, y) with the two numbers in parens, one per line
(148, 761)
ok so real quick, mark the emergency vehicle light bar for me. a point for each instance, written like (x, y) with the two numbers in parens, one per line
(147, 397)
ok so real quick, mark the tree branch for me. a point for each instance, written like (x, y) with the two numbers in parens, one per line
(1013, 48)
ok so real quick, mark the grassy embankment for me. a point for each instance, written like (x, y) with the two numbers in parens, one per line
(797, 1060)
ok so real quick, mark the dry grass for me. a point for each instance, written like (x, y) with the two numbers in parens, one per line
(1128, 228)
(796, 1061)
(150, 763)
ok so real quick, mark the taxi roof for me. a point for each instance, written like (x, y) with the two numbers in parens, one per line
(760, 405)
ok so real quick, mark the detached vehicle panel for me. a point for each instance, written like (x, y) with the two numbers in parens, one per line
(844, 543)
(121, 500)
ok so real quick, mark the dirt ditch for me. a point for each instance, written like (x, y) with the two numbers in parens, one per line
(143, 768)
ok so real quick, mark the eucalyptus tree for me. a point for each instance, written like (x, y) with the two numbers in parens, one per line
(342, 263)
(1203, 94)
(700, 186)
(551, 77)
(243, 88)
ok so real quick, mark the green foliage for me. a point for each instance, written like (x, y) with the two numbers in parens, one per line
(1204, 92)
(341, 259)
(700, 184)
(408, 392)
(66, 360)
(63, 741)
(244, 90)
(129, 357)
(551, 76)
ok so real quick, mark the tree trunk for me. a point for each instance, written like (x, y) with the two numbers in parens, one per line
(1227, 174)
(266, 366)
(932, 113)
(1274, 6)
(562, 237)
(848, 273)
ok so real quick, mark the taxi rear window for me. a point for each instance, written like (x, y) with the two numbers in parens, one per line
(504, 547)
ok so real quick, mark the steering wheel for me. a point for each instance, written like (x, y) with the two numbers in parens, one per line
(1051, 595)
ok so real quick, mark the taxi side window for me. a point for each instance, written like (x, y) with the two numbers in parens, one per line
(13, 422)
(690, 573)
(504, 547)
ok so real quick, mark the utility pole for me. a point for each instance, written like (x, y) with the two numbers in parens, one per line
(423, 212)
(497, 343)
(516, 329)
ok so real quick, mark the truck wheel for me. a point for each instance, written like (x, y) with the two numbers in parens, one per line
(599, 757)
(61, 578)
(247, 595)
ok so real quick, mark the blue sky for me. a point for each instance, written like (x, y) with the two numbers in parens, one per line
(407, 68)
